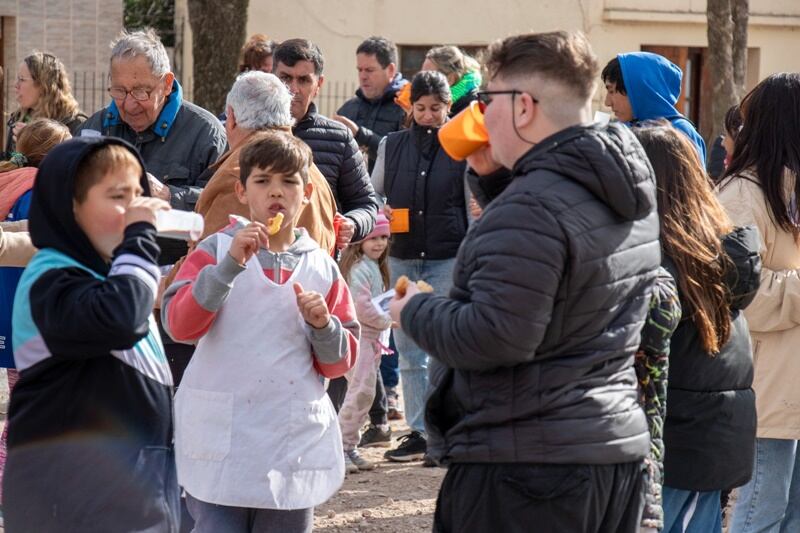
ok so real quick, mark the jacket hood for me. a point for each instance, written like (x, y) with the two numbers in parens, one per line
(51, 221)
(653, 84)
(605, 159)
(395, 85)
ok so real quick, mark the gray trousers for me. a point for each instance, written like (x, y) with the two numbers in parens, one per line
(212, 518)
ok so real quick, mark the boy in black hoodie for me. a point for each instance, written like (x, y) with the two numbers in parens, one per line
(90, 422)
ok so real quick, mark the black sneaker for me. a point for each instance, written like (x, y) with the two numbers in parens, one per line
(412, 448)
(376, 437)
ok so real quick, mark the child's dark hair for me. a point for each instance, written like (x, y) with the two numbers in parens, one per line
(278, 152)
(733, 121)
(612, 73)
(430, 83)
(94, 167)
(353, 254)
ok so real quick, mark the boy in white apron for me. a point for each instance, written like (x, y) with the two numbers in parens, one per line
(257, 439)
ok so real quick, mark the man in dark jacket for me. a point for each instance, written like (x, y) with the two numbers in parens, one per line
(177, 139)
(298, 64)
(372, 113)
(537, 399)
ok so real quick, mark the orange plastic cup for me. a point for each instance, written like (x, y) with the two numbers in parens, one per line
(465, 133)
(399, 222)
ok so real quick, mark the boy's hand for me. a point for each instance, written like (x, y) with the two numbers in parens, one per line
(247, 241)
(143, 209)
(312, 307)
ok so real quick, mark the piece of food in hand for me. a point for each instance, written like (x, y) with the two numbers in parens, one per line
(274, 224)
(401, 286)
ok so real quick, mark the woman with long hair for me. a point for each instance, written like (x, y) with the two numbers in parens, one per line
(42, 91)
(463, 73)
(426, 200)
(709, 430)
(760, 187)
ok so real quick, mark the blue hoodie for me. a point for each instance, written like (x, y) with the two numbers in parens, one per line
(653, 84)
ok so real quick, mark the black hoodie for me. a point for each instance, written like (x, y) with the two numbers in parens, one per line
(550, 290)
(90, 421)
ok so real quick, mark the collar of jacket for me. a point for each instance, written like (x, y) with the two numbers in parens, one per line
(310, 114)
(166, 118)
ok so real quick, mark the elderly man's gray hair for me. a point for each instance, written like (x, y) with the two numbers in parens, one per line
(146, 43)
(260, 100)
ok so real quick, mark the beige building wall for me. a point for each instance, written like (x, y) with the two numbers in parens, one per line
(77, 31)
(612, 26)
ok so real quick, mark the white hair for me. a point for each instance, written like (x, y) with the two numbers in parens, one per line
(260, 100)
(142, 43)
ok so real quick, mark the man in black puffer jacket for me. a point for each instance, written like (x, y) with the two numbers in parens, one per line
(298, 64)
(536, 407)
(372, 113)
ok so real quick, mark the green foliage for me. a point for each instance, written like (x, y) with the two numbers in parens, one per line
(157, 14)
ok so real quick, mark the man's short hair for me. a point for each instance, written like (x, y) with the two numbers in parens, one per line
(559, 56)
(612, 73)
(294, 50)
(277, 152)
(129, 45)
(260, 100)
(383, 49)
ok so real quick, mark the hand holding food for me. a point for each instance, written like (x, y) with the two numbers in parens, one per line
(401, 287)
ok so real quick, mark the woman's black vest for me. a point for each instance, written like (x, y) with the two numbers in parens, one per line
(420, 176)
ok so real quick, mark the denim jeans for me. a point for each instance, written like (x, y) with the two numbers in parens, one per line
(687, 511)
(211, 518)
(413, 361)
(770, 501)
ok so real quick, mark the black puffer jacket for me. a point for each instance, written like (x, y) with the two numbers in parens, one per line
(337, 156)
(375, 118)
(710, 430)
(550, 291)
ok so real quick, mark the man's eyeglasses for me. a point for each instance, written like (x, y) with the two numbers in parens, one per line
(485, 97)
(139, 94)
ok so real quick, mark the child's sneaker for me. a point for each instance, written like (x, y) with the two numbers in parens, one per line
(412, 448)
(359, 462)
(375, 436)
(349, 467)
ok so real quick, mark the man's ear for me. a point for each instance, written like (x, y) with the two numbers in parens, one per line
(391, 70)
(230, 118)
(169, 78)
(309, 188)
(241, 192)
(527, 110)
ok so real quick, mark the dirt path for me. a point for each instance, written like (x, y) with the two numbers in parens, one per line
(393, 497)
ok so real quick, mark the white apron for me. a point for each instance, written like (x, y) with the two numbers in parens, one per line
(254, 427)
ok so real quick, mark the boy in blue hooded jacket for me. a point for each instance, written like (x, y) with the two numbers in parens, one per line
(646, 86)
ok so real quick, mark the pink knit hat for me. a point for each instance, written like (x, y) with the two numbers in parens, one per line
(381, 227)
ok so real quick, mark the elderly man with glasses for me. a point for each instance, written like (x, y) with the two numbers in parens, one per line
(177, 139)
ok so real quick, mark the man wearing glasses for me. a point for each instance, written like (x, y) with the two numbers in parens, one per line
(177, 139)
(537, 407)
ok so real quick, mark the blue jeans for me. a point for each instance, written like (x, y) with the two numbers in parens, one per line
(770, 501)
(687, 511)
(413, 361)
(389, 366)
(211, 518)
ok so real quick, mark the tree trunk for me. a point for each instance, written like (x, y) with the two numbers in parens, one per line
(740, 16)
(218, 33)
(720, 59)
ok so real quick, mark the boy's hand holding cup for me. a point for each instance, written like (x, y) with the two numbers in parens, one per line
(247, 241)
(143, 209)
(312, 307)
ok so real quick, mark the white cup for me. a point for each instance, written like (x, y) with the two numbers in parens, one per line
(181, 225)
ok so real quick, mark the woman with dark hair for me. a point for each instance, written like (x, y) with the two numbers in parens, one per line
(709, 430)
(42, 90)
(760, 187)
(425, 197)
